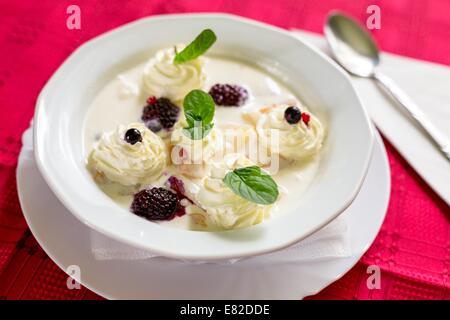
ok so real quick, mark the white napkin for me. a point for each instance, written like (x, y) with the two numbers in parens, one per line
(428, 84)
(332, 241)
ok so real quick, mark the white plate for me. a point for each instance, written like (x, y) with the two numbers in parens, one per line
(66, 240)
(63, 103)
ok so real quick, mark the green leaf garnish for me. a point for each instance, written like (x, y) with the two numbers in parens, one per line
(196, 48)
(253, 184)
(199, 110)
(199, 105)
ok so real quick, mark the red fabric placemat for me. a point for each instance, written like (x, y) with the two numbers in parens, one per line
(413, 246)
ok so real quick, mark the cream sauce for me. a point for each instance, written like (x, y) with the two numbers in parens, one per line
(121, 102)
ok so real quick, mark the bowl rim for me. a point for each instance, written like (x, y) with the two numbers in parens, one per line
(65, 199)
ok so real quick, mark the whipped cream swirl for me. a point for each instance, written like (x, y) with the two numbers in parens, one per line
(127, 164)
(223, 207)
(162, 78)
(295, 141)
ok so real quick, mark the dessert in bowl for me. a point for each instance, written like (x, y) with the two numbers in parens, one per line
(237, 148)
(148, 161)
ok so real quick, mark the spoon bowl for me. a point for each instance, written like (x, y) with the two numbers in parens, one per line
(352, 46)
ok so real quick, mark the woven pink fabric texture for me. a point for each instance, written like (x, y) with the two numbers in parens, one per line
(413, 246)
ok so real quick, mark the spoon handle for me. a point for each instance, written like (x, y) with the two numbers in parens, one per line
(402, 98)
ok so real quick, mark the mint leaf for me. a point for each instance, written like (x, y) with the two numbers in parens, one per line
(253, 184)
(200, 105)
(199, 111)
(196, 48)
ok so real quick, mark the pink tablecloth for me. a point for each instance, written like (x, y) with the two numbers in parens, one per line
(413, 246)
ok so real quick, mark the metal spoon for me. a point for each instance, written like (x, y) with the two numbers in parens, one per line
(355, 50)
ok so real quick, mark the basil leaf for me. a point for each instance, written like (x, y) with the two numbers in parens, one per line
(253, 184)
(196, 48)
(199, 105)
(197, 132)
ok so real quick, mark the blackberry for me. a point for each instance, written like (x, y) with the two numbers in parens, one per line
(161, 109)
(292, 115)
(155, 204)
(228, 94)
(133, 136)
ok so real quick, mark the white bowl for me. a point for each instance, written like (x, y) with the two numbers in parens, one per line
(63, 103)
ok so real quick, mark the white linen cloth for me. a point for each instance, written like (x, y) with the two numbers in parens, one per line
(330, 242)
